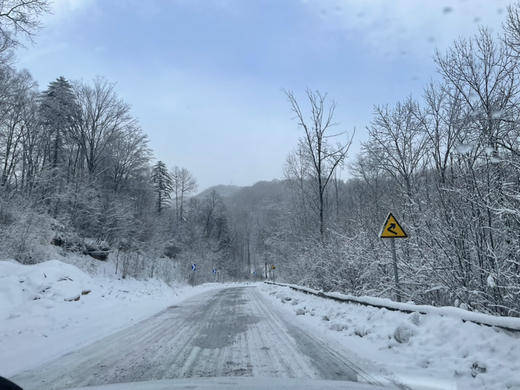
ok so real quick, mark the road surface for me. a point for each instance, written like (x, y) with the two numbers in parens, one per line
(225, 332)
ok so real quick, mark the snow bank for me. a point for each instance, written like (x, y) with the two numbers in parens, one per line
(512, 323)
(423, 351)
(51, 308)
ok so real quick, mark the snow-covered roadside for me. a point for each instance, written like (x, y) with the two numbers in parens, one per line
(423, 351)
(52, 308)
(508, 323)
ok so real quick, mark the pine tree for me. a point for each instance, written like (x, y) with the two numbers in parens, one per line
(162, 183)
(58, 110)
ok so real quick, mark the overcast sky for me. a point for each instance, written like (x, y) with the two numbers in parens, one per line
(205, 77)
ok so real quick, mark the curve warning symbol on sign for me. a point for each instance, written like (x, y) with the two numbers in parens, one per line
(392, 228)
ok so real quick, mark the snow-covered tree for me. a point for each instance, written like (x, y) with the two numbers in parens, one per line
(163, 185)
(59, 112)
(184, 183)
(19, 17)
(318, 156)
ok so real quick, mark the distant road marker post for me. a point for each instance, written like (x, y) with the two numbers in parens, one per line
(393, 229)
(192, 275)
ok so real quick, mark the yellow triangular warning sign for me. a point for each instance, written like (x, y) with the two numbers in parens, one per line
(392, 229)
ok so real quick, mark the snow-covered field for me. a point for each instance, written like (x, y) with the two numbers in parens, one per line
(52, 308)
(423, 351)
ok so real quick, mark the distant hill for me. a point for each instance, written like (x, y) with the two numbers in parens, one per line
(223, 190)
(261, 195)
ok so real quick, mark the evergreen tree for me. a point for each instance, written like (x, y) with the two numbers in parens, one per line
(58, 110)
(162, 183)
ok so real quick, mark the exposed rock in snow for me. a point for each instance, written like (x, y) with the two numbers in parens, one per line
(478, 368)
(72, 299)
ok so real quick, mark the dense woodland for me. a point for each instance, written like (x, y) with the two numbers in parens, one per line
(77, 176)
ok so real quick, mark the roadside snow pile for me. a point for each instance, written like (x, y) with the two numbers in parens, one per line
(50, 281)
(423, 351)
(51, 308)
(511, 323)
(506, 322)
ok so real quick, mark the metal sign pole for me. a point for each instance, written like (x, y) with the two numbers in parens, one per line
(392, 230)
(396, 274)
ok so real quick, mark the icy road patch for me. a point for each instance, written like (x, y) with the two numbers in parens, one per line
(229, 332)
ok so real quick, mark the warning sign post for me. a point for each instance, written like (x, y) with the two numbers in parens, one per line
(393, 229)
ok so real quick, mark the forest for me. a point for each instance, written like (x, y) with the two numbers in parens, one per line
(77, 175)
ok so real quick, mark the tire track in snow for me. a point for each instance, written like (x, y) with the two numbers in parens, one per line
(228, 332)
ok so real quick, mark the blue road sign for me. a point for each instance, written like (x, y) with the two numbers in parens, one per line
(214, 270)
(193, 267)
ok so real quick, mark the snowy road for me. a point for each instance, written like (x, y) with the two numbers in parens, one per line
(225, 332)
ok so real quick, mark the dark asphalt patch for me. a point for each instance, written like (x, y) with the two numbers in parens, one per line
(231, 319)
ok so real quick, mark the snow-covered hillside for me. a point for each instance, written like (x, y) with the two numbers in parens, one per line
(51, 308)
(421, 351)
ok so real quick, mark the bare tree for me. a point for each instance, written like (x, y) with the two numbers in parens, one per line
(321, 155)
(103, 115)
(442, 120)
(12, 123)
(482, 72)
(397, 143)
(19, 17)
(512, 27)
(183, 184)
(130, 155)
